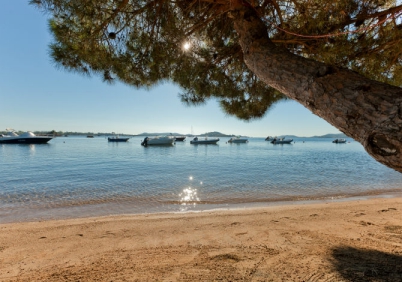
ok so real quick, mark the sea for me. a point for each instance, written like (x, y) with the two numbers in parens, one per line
(74, 177)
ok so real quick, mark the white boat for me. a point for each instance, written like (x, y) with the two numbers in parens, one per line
(339, 140)
(25, 138)
(196, 140)
(237, 139)
(281, 141)
(158, 140)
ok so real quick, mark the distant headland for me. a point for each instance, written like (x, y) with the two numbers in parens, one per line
(55, 133)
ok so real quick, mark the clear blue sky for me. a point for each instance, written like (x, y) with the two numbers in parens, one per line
(35, 95)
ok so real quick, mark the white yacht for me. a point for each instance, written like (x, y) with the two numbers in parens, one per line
(158, 140)
(197, 140)
(25, 138)
(238, 139)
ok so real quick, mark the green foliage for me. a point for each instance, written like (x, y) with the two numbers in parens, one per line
(141, 43)
(362, 35)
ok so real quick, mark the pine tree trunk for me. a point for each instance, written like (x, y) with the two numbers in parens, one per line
(366, 110)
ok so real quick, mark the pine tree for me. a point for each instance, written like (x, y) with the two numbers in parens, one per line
(340, 59)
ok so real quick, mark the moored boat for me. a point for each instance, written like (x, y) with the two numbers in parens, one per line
(196, 140)
(25, 138)
(269, 138)
(238, 139)
(158, 140)
(281, 141)
(339, 141)
(179, 138)
(117, 138)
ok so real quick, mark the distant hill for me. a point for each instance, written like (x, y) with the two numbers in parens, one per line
(160, 134)
(330, 135)
(206, 134)
(215, 134)
(210, 134)
(335, 135)
(287, 136)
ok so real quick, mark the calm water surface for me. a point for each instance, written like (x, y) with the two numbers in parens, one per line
(81, 177)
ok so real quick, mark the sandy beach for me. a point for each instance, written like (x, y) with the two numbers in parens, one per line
(358, 240)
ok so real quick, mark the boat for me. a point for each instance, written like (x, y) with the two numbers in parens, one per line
(339, 141)
(237, 139)
(90, 136)
(179, 138)
(25, 138)
(158, 140)
(281, 141)
(117, 138)
(196, 140)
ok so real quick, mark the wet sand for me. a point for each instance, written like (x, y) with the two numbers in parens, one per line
(358, 240)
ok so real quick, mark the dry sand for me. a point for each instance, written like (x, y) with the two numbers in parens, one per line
(338, 241)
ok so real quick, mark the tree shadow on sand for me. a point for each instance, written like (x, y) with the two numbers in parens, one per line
(367, 265)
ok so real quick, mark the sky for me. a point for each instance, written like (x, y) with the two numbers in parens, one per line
(35, 95)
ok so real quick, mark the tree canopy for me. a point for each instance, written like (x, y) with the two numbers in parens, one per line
(142, 43)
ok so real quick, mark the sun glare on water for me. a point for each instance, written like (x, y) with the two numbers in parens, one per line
(189, 196)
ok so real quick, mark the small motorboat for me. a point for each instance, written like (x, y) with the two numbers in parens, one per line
(25, 138)
(281, 141)
(237, 139)
(196, 141)
(117, 138)
(339, 141)
(158, 140)
(179, 138)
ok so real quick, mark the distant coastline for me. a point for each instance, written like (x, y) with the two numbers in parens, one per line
(206, 134)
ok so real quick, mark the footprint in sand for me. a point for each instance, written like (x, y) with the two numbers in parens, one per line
(242, 233)
(365, 223)
(389, 209)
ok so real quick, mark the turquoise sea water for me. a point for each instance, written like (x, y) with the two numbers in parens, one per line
(81, 177)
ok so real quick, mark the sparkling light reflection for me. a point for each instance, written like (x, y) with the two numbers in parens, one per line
(32, 149)
(189, 196)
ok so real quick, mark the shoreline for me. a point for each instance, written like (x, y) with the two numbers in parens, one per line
(347, 240)
(89, 210)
